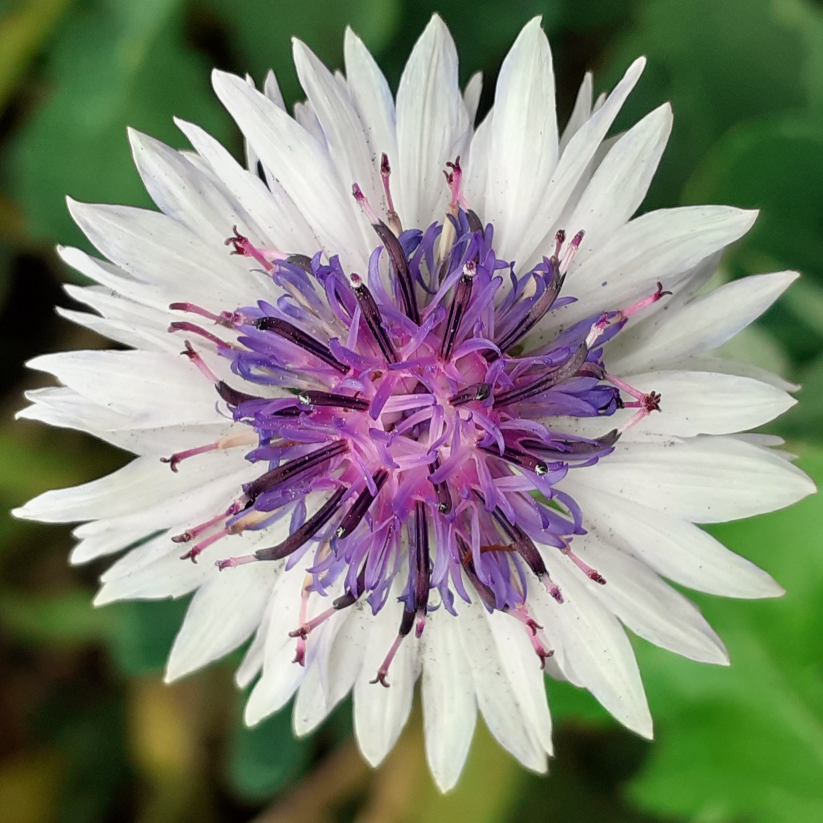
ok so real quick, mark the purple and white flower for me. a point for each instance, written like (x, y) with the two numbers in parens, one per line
(444, 411)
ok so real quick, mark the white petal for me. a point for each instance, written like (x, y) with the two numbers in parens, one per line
(127, 334)
(449, 708)
(693, 403)
(63, 407)
(142, 483)
(573, 163)
(114, 278)
(159, 250)
(115, 307)
(476, 165)
(708, 322)
(497, 696)
(222, 615)
(281, 676)
(303, 168)
(346, 137)
(431, 119)
(380, 713)
(318, 693)
(525, 674)
(182, 192)
(283, 226)
(702, 479)
(621, 181)
(596, 646)
(661, 246)
(673, 547)
(645, 604)
(581, 112)
(471, 95)
(155, 389)
(720, 365)
(524, 145)
(371, 96)
(271, 88)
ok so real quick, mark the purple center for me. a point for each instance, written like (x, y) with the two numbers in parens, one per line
(414, 437)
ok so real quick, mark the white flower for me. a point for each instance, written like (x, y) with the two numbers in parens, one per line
(383, 360)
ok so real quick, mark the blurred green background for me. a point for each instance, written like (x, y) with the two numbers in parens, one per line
(89, 734)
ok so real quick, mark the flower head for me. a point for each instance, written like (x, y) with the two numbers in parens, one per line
(442, 410)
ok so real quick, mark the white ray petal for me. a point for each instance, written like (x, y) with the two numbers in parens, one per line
(281, 675)
(63, 407)
(596, 646)
(161, 251)
(431, 119)
(702, 479)
(120, 282)
(573, 163)
(661, 246)
(693, 402)
(476, 165)
(621, 181)
(674, 548)
(645, 604)
(380, 713)
(524, 142)
(222, 615)
(184, 193)
(132, 383)
(581, 112)
(303, 167)
(142, 483)
(449, 707)
(471, 96)
(497, 697)
(345, 133)
(707, 322)
(283, 225)
(372, 97)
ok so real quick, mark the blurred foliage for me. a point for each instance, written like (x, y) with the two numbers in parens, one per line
(88, 732)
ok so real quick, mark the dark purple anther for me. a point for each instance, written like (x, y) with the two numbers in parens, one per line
(401, 266)
(351, 520)
(232, 396)
(351, 597)
(552, 378)
(294, 468)
(474, 221)
(287, 331)
(538, 310)
(419, 564)
(310, 528)
(563, 447)
(301, 261)
(373, 318)
(462, 295)
(476, 391)
(525, 547)
(518, 458)
(441, 490)
(332, 400)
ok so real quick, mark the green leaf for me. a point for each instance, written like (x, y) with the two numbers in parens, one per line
(263, 759)
(719, 63)
(746, 743)
(143, 632)
(115, 64)
(262, 39)
(22, 33)
(777, 167)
